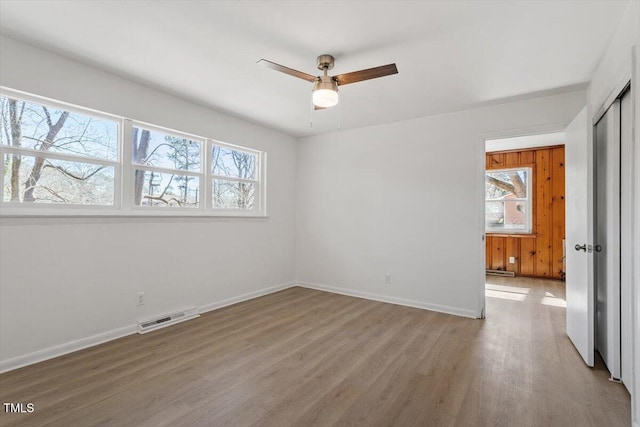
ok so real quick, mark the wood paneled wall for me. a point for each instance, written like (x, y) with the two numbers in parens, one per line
(538, 254)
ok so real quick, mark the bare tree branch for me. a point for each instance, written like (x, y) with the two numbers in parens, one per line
(161, 199)
(54, 193)
(70, 175)
(46, 113)
(167, 186)
(506, 186)
(36, 170)
(519, 187)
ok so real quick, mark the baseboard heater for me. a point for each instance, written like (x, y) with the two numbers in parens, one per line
(163, 321)
(501, 273)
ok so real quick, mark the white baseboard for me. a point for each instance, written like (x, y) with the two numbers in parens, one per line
(392, 300)
(82, 343)
(245, 297)
(62, 349)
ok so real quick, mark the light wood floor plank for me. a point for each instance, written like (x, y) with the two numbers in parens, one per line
(303, 357)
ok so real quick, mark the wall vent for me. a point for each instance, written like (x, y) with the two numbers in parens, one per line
(165, 320)
(501, 273)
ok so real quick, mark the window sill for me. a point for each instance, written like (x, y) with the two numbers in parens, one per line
(135, 214)
(519, 235)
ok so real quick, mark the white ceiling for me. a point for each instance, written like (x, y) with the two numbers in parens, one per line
(451, 55)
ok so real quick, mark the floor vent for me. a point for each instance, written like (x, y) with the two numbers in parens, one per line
(501, 273)
(148, 325)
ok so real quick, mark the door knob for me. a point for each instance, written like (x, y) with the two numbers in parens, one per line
(581, 247)
(598, 248)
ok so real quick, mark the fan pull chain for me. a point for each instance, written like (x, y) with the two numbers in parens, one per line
(339, 116)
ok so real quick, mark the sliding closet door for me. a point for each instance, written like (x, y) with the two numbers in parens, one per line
(607, 237)
(626, 239)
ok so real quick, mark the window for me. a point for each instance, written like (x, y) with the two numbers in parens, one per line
(508, 201)
(234, 180)
(57, 156)
(68, 160)
(167, 169)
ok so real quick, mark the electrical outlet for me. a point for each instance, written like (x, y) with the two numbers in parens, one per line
(387, 279)
(141, 298)
(512, 260)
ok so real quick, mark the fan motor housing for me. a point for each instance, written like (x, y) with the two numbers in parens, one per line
(325, 62)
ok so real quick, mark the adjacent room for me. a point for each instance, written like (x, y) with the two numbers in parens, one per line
(236, 213)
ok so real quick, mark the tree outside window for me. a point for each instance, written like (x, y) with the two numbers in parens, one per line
(56, 156)
(508, 201)
(69, 160)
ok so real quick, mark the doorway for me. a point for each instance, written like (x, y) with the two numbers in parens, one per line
(525, 206)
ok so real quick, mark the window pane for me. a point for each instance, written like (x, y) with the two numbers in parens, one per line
(40, 127)
(233, 194)
(159, 149)
(232, 163)
(507, 215)
(166, 190)
(499, 184)
(32, 179)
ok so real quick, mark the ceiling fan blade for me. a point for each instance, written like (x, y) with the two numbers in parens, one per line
(315, 107)
(369, 73)
(287, 70)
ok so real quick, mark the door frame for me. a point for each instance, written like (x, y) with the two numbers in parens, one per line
(482, 167)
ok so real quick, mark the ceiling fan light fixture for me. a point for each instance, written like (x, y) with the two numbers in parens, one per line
(325, 88)
(325, 92)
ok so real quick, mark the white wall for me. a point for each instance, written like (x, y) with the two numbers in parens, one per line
(406, 199)
(67, 282)
(619, 64)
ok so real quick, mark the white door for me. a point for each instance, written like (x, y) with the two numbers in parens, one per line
(579, 217)
(607, 237)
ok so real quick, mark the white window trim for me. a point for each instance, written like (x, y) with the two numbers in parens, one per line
(128, 152)
(124, 169)
(528, 200)
(45, 209)
(259, 205)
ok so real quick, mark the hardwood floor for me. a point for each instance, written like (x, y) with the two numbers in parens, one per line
(302, 357)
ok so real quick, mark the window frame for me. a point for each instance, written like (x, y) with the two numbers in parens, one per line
(528, 203)
(27, 209)
(258, 205)
(124, 172)
(130, 182)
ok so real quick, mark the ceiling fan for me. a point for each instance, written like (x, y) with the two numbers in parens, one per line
(325, 88)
